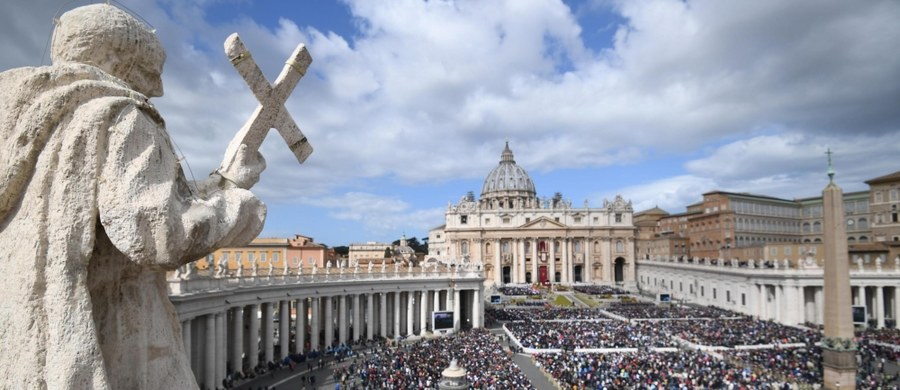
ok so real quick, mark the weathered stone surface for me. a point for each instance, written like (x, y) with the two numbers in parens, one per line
(94, 208)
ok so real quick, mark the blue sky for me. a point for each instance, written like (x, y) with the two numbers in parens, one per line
(408, 103)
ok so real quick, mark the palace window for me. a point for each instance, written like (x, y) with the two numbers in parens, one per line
(577, 219)
(618, 217)
(620, 247)
(506, 221)
(487, 221)
(463, 219)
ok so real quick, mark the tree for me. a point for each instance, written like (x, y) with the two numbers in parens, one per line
(342, 250)
(388, 253)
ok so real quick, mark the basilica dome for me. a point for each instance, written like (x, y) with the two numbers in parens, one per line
(508, 179)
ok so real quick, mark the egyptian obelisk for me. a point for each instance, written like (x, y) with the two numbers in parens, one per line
(838, 345)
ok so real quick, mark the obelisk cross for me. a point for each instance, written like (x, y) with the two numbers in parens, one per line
(270, 113)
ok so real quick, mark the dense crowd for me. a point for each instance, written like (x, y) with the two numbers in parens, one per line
(544, 314)
(587, 334)
(887, 336)
(795, 365)
(649, 310)
(600, 290)
(668, 370)
(419, 365)
(731, 332)
(519, 290)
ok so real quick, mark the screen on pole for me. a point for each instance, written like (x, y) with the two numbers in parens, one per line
(665, 298)
(496, 299)
(859, 315)
(442, 320)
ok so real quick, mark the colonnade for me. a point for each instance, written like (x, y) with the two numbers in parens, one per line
(244, 335)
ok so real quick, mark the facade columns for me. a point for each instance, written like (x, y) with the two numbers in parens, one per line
(357, 325)
(329, 322)
(342, 319)
(477, 303)
(370, 319)
(382, 314)
(437, 300)
(587, 272)
(456, 310)
(520, 249)
(268, 332)
(237, 343)
(778, 303)
(498, 265)
(300, 326)
(552, 248)
(284, 333)
(253, 337)
(566, 262)
(535, 273)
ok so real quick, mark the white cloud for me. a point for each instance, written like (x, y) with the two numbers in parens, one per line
(380, 215)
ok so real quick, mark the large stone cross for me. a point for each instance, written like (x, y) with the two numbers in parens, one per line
(270, 113)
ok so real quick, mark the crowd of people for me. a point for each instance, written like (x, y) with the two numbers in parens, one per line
(519, 290)
(661, 370)
(795, 365)
(587, 334)
(419, 365)
(553, 313)
(732, 332)
(639, 310)
(600, 290)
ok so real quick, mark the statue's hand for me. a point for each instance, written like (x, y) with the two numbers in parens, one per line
(245, 170)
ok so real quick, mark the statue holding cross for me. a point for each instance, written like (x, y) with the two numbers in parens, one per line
(95, 207)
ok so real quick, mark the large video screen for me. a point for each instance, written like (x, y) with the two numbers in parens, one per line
(442, 320)
(496, 299)
(859, 315)
(665, 298)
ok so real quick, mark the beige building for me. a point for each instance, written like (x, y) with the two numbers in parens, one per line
(365, 253)
(521, 238)
(884, 200)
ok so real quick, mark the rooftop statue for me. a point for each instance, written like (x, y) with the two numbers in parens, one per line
(94, 207)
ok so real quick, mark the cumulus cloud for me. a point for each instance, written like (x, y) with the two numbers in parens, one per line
(424, 92)
(380, 215)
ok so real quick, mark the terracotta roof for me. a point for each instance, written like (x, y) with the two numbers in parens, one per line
(885, 179)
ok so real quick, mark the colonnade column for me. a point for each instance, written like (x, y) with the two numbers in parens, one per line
(253, 337)
(382, 314)
(342, 319)
(209, 369)
(314, 324)
(357, 326)
(819, 295)
(879, 306)
(520, 249)
(410, 313)
(268, 332)
(370, 319)
(300, 325)
(423, 311)
(437, 300)
(237, 352)
(552, 248)
(186, 337)
(498, 265)
(778, 299)
(396, 314)
(329, 322)
(220, 347)
(284, 333)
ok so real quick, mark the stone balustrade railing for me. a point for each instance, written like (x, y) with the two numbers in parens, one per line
(875, 266)
(194, 282)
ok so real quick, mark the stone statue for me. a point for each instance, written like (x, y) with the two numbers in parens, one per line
(222, 266)
(90, 180)
(396, 267)
(371, 264)
(254, 266)
(383, 265)
(328, 267)
(285, 268)
(271, 269)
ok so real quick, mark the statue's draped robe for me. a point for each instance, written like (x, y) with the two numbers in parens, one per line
(94, 207)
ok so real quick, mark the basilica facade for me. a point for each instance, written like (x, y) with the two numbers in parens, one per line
(519, 237)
